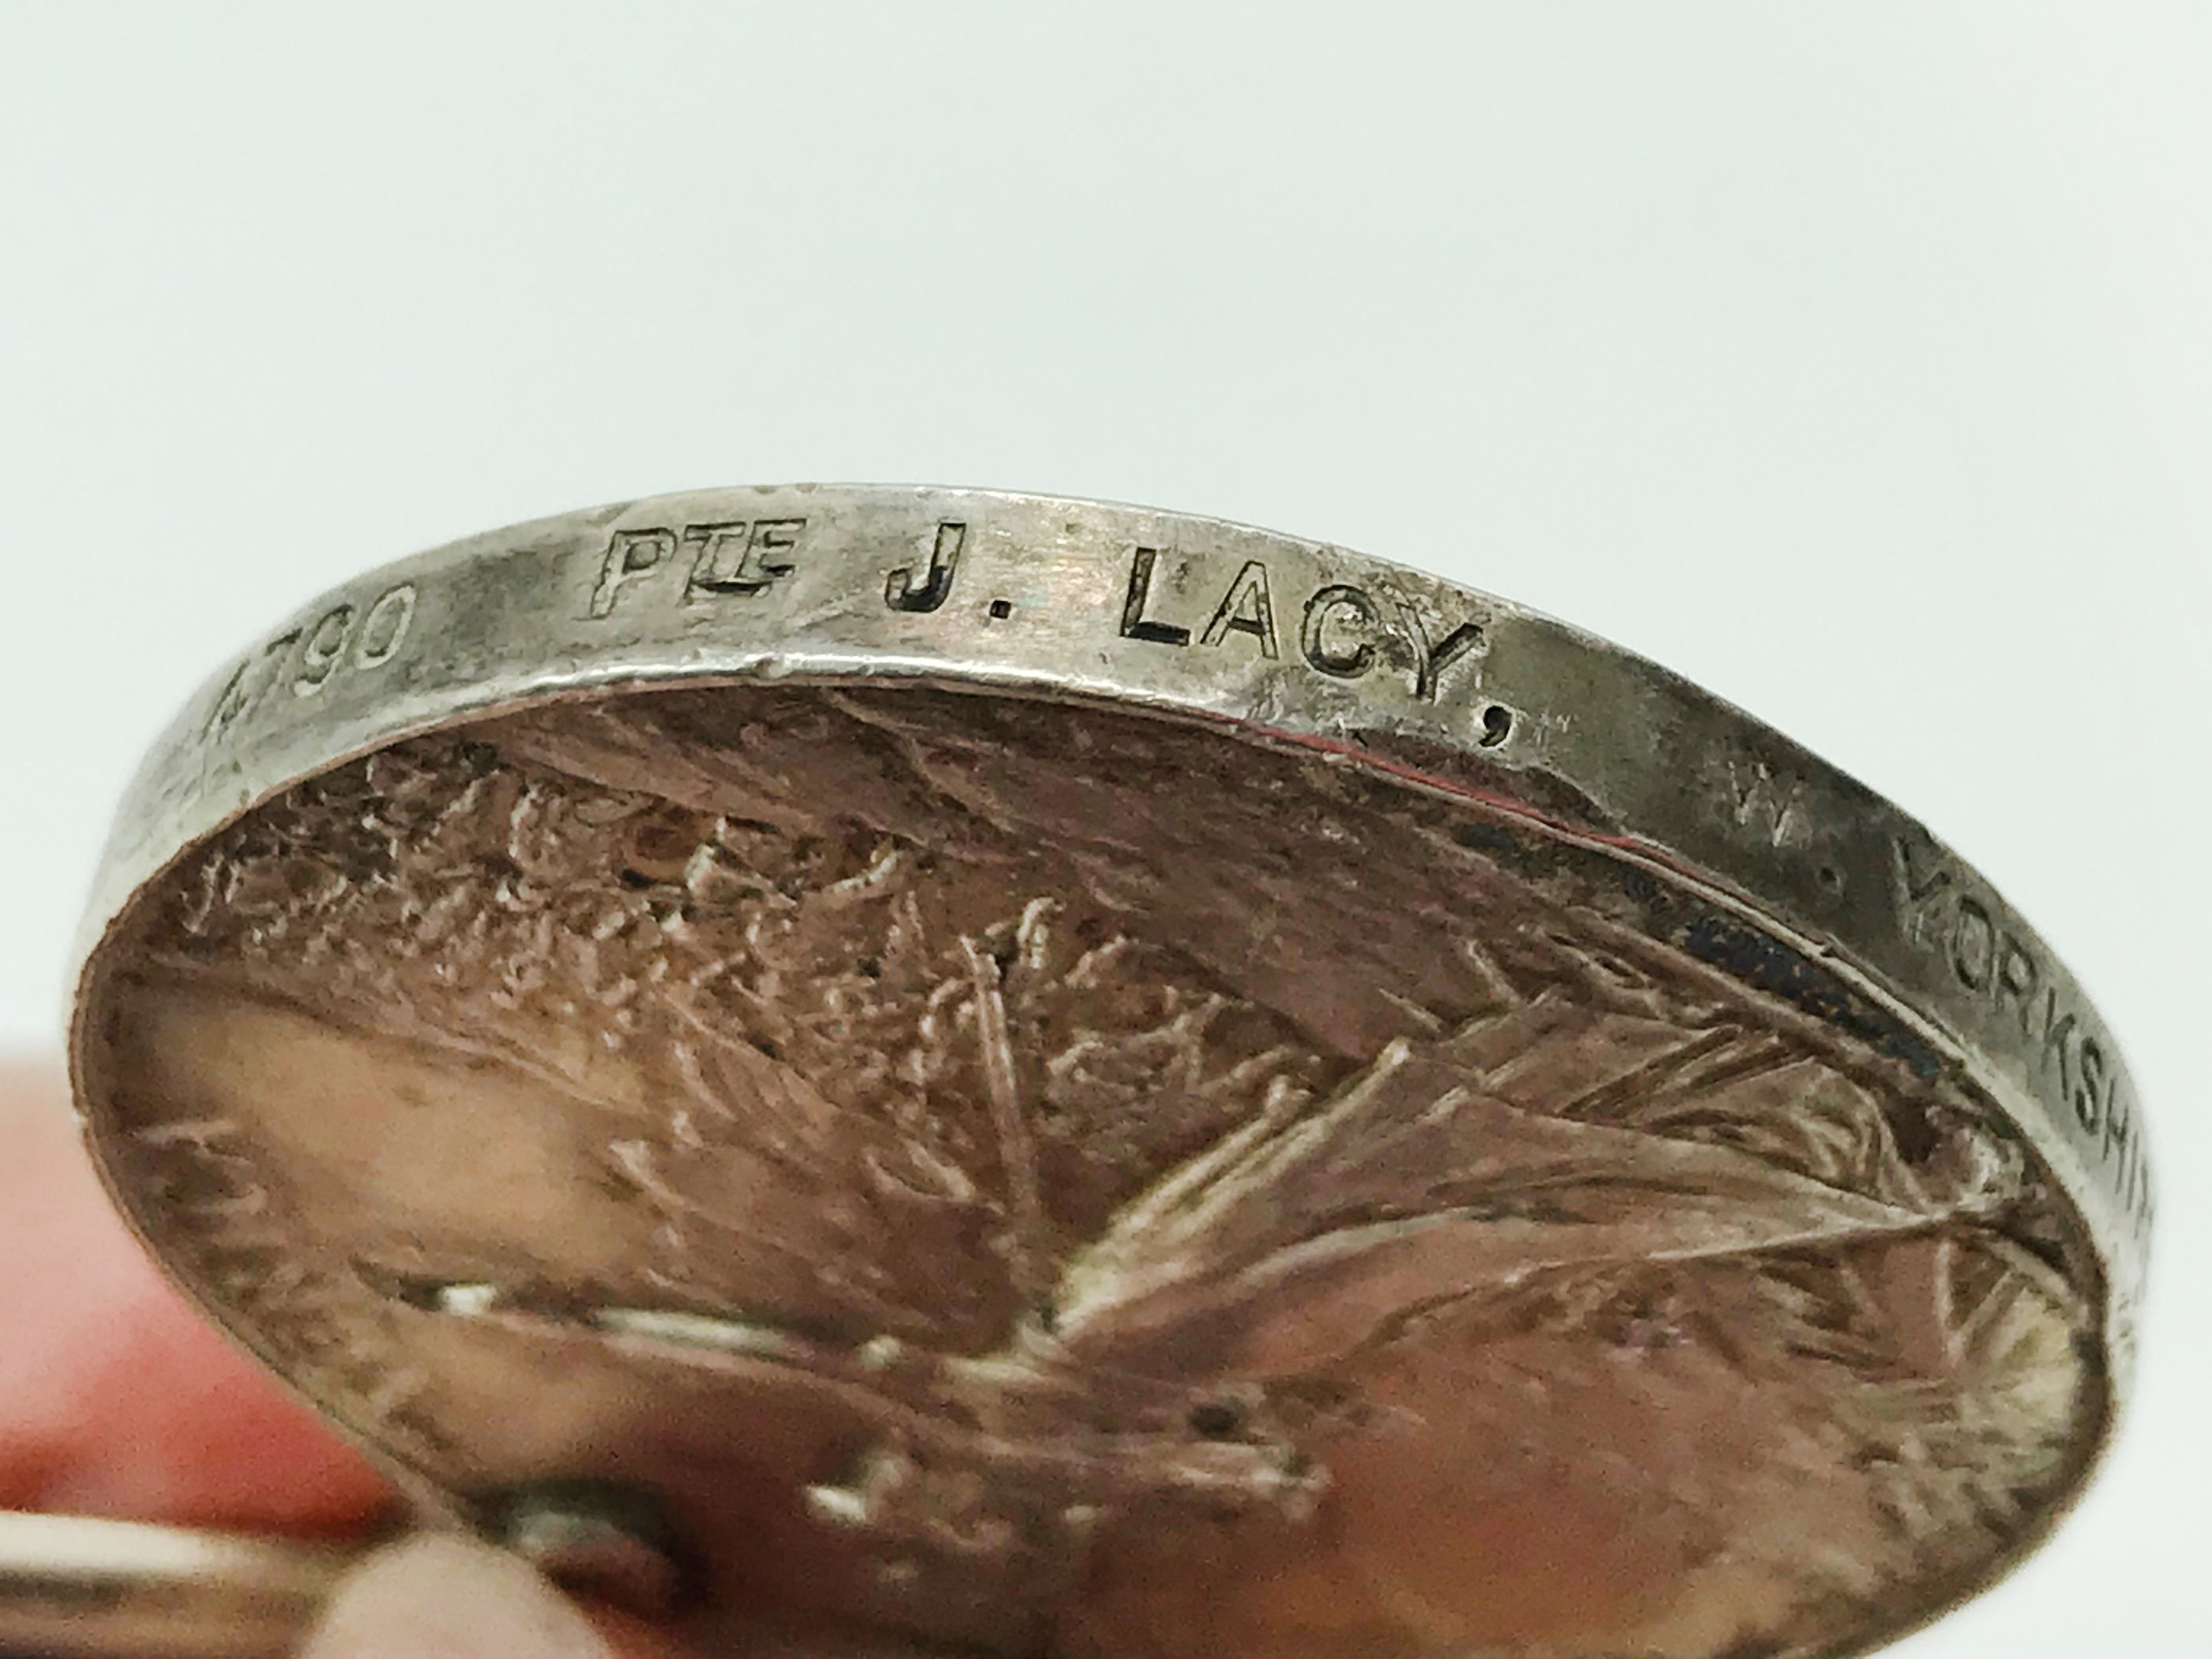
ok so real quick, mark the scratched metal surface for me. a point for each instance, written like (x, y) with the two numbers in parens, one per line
(1115, 1083)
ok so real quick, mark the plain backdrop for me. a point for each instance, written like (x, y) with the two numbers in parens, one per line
(1853, 361)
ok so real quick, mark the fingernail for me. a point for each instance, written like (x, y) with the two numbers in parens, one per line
(454, 1598)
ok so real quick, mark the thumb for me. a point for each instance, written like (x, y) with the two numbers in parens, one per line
(441, 1593)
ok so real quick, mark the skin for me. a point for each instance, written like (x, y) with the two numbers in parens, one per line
(118, 1400)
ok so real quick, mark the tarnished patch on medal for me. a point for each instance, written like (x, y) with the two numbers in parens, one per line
(1041, 1179)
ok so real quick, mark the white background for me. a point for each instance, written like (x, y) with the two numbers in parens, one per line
(1855, 363)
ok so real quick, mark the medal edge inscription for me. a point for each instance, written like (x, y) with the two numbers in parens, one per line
(1118, 603)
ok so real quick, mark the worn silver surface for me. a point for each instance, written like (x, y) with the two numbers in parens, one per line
(1067, 1079)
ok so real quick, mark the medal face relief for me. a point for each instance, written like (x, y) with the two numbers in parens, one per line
(1020, 1170)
